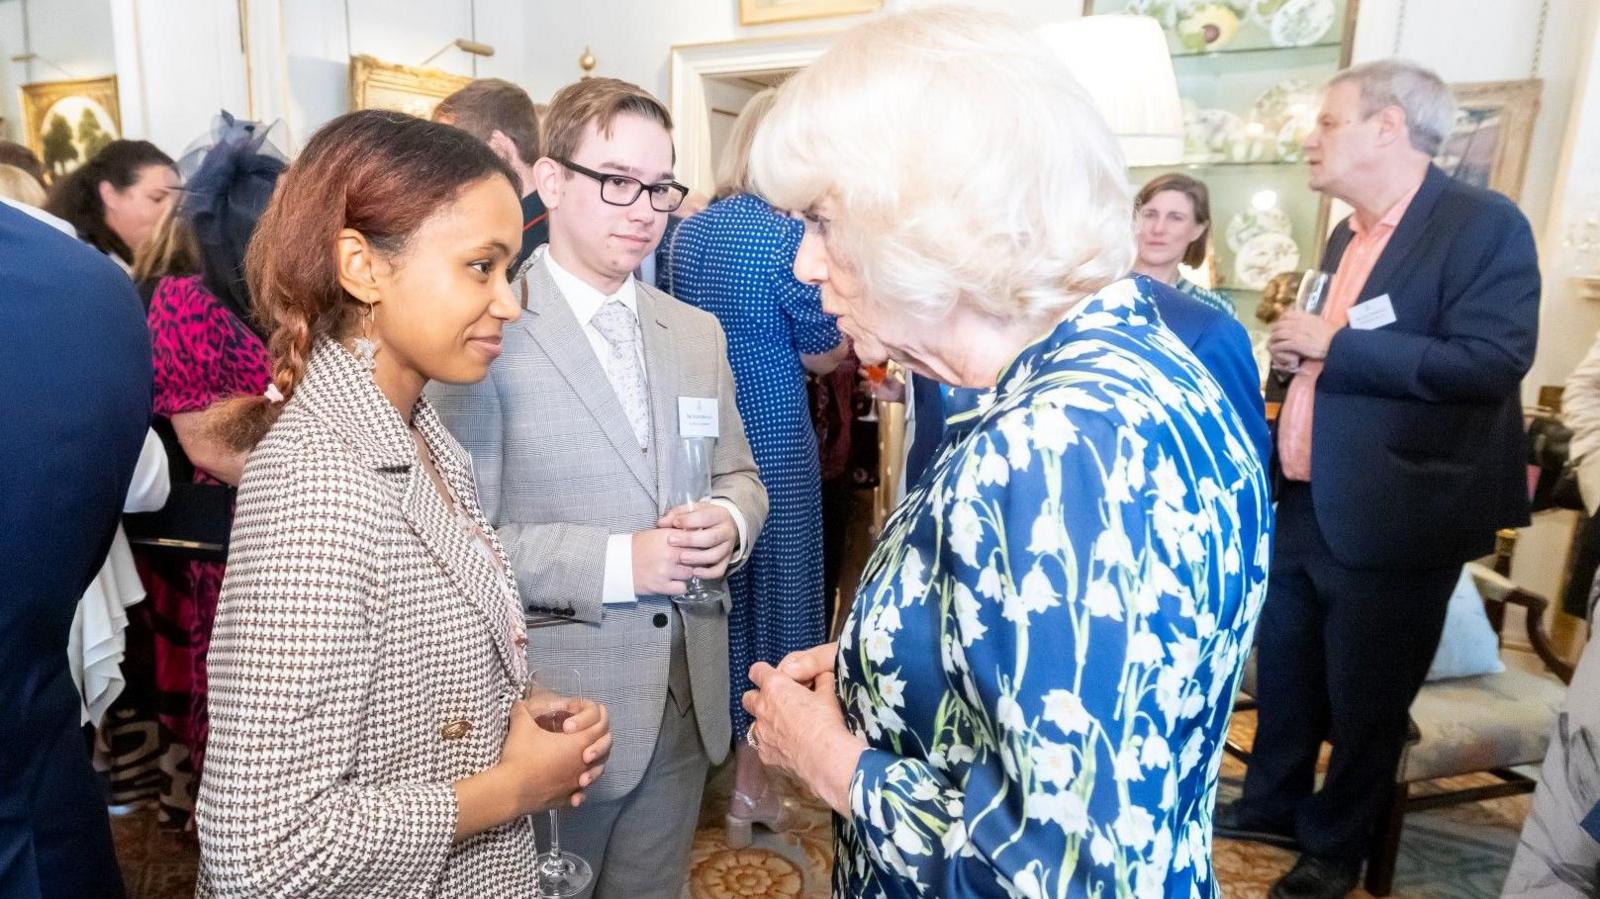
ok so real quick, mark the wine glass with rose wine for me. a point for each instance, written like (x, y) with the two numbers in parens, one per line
(548, 695)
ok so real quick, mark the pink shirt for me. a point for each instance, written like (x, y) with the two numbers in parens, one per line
(1355, 266)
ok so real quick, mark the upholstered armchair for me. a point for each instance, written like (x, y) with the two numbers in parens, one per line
(1489, 724)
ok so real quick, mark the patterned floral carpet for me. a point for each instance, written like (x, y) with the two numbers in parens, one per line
(1453, 853)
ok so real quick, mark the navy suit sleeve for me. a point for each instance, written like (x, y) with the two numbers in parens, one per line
(1483, 341)
(1224, 349)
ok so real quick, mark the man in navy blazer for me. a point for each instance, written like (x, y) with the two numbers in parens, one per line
(1218, 340)
(75, 391)
(1399, 452)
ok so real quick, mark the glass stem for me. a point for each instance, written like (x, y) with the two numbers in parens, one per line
(555, 835)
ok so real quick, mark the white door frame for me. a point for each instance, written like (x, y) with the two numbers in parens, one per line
(691, 64)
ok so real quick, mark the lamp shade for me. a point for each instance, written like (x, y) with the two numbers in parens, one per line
(1123, 63)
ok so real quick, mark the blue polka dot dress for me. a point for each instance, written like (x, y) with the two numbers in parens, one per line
(735, 260)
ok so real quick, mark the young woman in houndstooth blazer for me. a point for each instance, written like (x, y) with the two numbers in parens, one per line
(367, 735)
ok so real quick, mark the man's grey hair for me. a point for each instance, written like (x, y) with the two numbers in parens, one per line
(1422, 95)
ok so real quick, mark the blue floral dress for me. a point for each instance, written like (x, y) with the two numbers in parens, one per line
(1047, 639)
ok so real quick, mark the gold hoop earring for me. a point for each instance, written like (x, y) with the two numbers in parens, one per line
(366, 347)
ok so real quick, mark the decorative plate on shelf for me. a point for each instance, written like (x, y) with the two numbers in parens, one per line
(1164, 11)
(1264, 256)
(1207, 28)
(1292, 138)
(1287, 112)
(1300, 23)
(1254, 143)
(1210, 135)
(1278, 102)
(1262, 11)
(1252, 223)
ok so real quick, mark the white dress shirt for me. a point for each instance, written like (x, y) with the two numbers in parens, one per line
(98, 639)
(585, 300)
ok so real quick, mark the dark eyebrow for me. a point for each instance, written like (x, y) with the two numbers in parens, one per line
(493, 246)
(625, 169)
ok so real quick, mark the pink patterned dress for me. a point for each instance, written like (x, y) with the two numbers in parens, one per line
(201, 353)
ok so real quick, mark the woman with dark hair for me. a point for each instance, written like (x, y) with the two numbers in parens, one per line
(1173, 218)
(204, 350)
(116, 198)
(368, 738)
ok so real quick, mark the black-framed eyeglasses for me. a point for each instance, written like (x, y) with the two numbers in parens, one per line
(621, 190)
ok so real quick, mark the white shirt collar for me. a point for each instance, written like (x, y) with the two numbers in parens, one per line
(584, 299)
(59, 224)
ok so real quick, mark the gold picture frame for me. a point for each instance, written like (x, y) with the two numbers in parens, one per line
(67, 122)
(1494, 129)
(375, 84)
(762, 12)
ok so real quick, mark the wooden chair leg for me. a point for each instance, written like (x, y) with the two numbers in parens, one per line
(1386, 843)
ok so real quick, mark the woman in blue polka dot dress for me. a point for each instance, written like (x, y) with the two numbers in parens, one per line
(735, 260)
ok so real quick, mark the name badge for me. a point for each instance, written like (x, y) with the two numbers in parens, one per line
(1374, 313)
(697, 417)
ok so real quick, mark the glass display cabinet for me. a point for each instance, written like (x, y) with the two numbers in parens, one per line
(1250, 74)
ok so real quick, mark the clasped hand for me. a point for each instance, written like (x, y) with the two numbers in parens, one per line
(799, 726)
(551, 769)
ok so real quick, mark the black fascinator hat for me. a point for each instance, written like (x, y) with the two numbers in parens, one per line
(228, 181)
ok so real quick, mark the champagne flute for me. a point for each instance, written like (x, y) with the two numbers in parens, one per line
(875, 375)
(690, 486)
(561, 874)
(1310, 298)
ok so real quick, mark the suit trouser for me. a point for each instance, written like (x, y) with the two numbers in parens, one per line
(1341, 654)
(639, 844)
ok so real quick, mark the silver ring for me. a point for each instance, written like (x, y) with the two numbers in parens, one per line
(751, 738)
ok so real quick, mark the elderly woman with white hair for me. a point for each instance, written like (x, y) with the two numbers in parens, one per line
(1030, 695)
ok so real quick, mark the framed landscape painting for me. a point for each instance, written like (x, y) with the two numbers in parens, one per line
(760, 12)
(375, 84)
(1494, 128)
(67, 122)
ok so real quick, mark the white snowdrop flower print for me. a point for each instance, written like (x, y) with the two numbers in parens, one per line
(1053, 762)
(1065, 710)
(1037, 594)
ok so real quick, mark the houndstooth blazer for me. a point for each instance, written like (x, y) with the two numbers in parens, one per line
(362, 661)
(559, 471)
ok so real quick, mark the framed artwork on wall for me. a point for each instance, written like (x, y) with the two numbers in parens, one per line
(760, 12)
(68, 122)
(1493, 130)
(375, 84)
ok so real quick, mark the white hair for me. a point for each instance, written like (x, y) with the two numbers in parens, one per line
(1420, 94)
(966, 163)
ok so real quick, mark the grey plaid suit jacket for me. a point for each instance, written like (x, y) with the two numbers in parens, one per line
(559, 470)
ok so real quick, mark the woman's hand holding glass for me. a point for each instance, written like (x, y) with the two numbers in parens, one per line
(554, 699)
(799, 726)
(546, 769)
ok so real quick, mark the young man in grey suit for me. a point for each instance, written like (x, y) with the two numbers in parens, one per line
(572, 436)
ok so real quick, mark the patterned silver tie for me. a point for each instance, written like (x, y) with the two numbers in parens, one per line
(618, 325)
